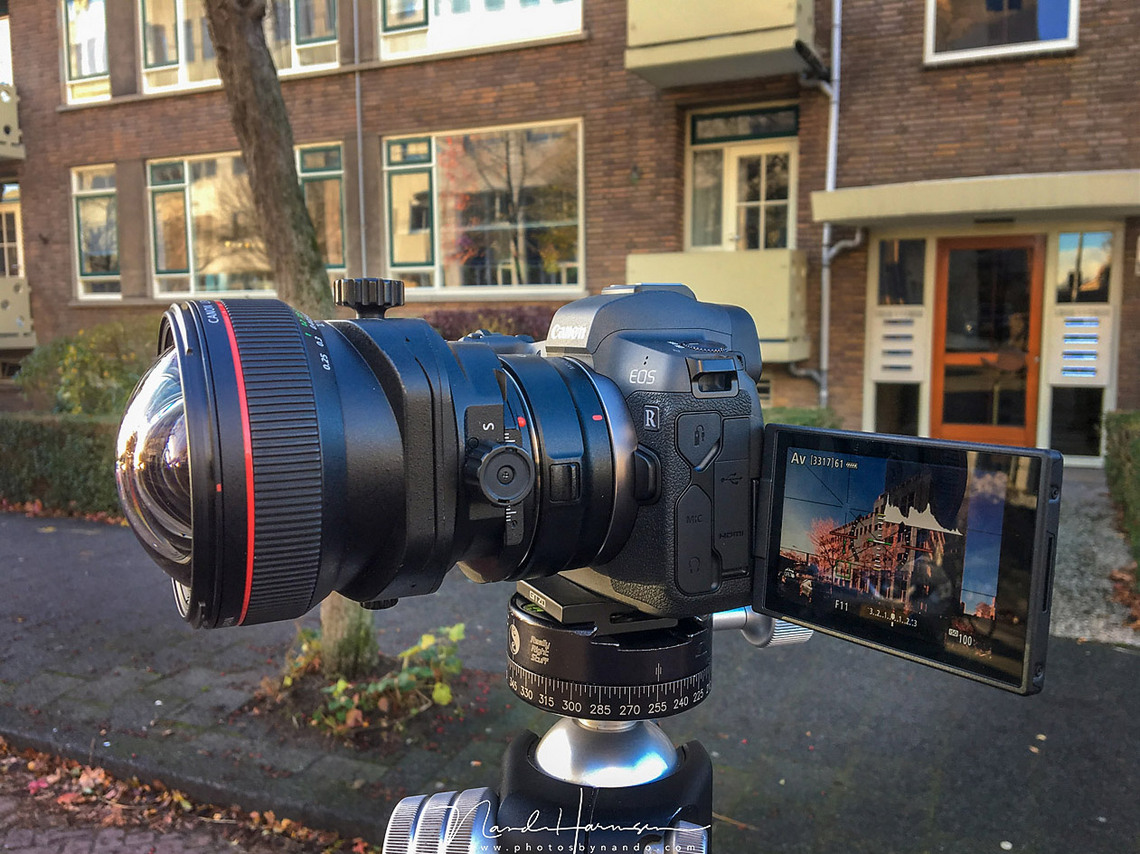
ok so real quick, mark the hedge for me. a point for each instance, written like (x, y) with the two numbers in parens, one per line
(1122, 469)
(67, 462)
(454, 323)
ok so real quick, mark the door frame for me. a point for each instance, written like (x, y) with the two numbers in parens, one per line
(729, 151)
(730, 237)
(1012, 435)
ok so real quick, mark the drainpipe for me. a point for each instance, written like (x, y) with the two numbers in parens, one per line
(829, 250)
(359, 138)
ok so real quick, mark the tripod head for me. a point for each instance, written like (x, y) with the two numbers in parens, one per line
(604, 777)
(573, 652)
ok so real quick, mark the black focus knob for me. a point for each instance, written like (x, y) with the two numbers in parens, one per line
(368, 297)
(503, 474)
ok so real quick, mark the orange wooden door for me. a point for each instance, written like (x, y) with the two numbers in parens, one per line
(987, 339)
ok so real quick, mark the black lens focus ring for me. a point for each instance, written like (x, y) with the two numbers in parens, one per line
(286, 456)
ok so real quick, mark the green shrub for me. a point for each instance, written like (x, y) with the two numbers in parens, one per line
(92, 372)
(1122, 469)
(420, 678)
(38, 376)
(65, 462)
(801, 416)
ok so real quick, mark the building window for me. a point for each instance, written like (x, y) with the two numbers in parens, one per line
(85, 27)
(97, 230)
(204, 226)
(974, 29)
(902, 271)
(6, 76)
(205, 231)
(417, 27)
(742, 179)
(487, 208)
(1075, 421)
(322, 180)
(178, 52)
(896, 408)
(1084, 263)
(302, 33)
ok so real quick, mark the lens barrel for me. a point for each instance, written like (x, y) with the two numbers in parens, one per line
(251, 473)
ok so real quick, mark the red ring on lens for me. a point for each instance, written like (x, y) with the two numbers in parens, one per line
(247, 440)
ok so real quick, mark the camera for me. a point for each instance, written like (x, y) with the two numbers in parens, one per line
(267, 460)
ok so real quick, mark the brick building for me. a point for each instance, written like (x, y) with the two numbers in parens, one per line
(984, 186)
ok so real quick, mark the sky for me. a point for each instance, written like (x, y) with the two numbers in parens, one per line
(983, 538)
(818, 492)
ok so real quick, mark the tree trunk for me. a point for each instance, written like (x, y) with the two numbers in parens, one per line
(348, 642)
(257, 110)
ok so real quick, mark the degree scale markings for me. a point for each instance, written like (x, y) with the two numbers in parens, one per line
(613, 702)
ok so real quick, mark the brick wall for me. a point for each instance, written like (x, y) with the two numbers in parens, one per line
(627, 123)
(902, 121)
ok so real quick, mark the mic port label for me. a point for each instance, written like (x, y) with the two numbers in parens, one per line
(696, 572)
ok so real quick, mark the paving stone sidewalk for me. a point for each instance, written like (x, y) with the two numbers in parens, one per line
(824, 747)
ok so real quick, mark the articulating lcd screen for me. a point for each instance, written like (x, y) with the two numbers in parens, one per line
(933, 560)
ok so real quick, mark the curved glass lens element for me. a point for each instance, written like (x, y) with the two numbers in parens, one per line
(152, 467)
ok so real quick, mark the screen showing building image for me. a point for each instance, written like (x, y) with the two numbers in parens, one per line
(893, 550)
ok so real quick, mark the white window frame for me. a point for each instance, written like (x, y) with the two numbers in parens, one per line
(416, 40)
(184, 83)
(152, 247)
(296, 47)
(761, 145)
(440, 292)
(324, 175)
(931, 57)
(6, 75)
(184, 187)
(99, 84)
(75, 196)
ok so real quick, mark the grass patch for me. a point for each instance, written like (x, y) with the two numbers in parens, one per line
(801, 416)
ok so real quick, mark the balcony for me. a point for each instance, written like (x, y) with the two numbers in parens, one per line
(771, 285)
(682, 43)
(11, 140)
(16, 329)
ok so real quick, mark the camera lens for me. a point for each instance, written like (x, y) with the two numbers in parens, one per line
(267, 460)
(219, 469)
(153, 471)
